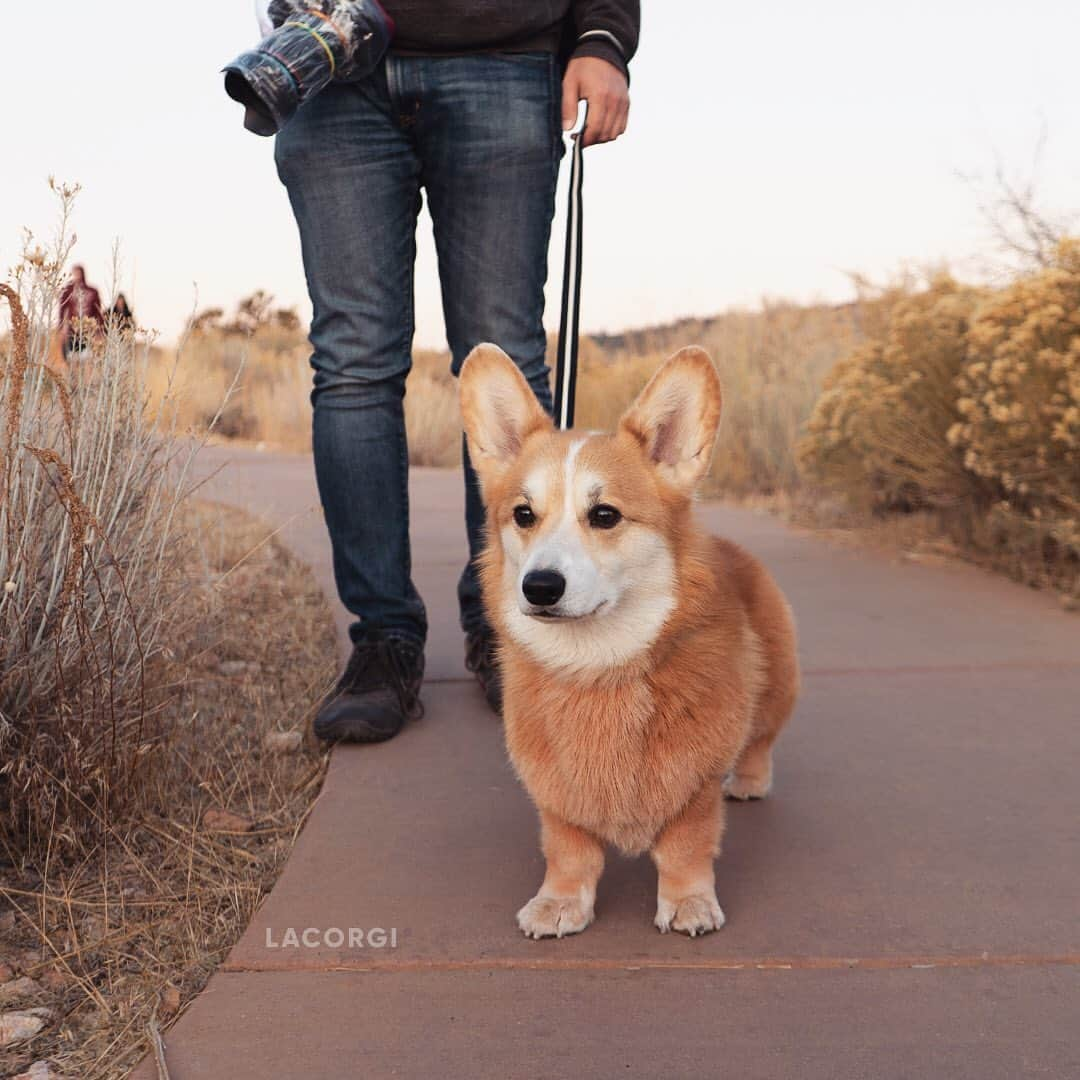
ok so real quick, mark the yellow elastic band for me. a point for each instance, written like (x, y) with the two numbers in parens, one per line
(319, 38)
(329, 22)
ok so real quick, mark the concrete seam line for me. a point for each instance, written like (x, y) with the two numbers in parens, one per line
(943, 669)
(797, 963)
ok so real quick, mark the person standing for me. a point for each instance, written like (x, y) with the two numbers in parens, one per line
(121, 316)
(468, 107)
(81, 314)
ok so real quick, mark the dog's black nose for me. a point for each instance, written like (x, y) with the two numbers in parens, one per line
(543, 587)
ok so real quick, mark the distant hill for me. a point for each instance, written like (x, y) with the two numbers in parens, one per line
(827, 322)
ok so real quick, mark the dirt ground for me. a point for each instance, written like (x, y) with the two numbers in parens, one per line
(100, 943)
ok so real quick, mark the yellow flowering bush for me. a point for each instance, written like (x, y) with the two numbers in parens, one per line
(879, 429)
(966, 402)
(1018, 398)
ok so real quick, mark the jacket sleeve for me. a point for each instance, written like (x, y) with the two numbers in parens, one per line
(607, 29)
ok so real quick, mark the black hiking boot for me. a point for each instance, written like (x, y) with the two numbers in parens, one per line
(378, 692)
(481, 658)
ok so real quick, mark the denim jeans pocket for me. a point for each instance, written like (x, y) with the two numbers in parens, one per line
(548, 64)
(533, 73)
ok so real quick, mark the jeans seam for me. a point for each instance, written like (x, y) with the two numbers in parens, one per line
(391, 83)
(403, 434)
(555, 114)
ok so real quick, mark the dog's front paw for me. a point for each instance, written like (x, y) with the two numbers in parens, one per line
(693, 915)
(553, 916)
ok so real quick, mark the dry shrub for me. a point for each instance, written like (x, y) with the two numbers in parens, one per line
(878, 430)
(1019, 405)
(89, 486)
(134, 926)
(148, 647)
(432, 413)
(246, 381)
(249, 379)
(966, 402)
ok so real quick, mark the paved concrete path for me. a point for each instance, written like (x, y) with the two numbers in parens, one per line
(907, 904)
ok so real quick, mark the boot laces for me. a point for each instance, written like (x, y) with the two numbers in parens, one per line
(381, 661)
(480, 656)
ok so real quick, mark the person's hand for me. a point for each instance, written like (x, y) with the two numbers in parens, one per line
(604, 87)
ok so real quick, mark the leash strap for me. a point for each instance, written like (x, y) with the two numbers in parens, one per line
(566, 360)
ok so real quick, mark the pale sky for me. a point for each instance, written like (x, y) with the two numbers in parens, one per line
(771, 148)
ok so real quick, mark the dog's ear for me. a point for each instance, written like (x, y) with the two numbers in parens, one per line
(498, 409)
(676, 416)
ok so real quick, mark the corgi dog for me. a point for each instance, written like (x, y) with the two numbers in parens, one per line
(647, 666)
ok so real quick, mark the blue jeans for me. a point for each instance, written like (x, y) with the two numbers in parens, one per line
(482, 136)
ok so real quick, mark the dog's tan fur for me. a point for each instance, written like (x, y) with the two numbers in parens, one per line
(617, 746)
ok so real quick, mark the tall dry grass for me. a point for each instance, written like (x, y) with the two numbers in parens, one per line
(113, 933)
(248, 378)
(772, 364)
(249, 384)
(89, 487)
(154, 655)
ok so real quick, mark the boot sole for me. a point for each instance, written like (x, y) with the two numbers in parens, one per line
(352, 729)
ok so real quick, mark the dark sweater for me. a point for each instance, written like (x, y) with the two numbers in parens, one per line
(604, 28)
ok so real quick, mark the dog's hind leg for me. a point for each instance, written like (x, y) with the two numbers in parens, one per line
(751, 778)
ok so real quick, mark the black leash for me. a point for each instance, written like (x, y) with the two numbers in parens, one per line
(566, 359)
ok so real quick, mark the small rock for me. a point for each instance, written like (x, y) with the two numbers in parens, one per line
(19, 1026)
(93, 929)
(216, 820)
(234, 668)
(53, 978)
(18, 988)
(283, 742)
(169, 1002)
(6, 972)
(40, 1070)
(30, 958)
(926, 558)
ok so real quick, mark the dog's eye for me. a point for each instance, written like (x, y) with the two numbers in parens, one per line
(604, 517)
(524, 518)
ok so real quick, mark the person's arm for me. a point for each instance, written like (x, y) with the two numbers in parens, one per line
(605, 38)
